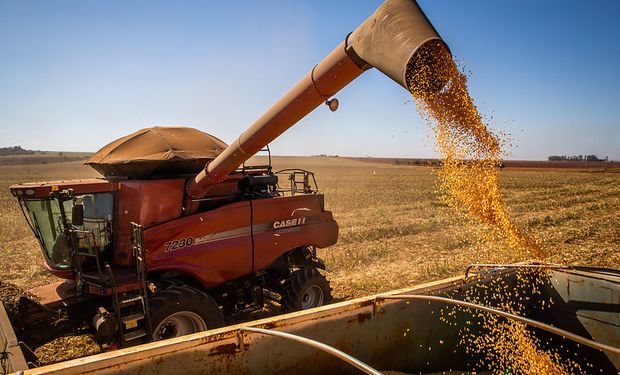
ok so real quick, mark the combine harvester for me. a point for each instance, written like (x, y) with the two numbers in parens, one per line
(161, 248)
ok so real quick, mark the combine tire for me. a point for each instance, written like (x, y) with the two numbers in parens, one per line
(305, 289)
(180, 309)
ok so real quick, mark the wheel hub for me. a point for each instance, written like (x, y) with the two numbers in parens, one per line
(312, 297)
(179, 324)
(169, 330)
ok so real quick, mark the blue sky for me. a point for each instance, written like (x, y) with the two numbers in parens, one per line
(75, 75)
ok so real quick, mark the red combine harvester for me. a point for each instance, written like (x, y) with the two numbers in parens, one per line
(161, 247)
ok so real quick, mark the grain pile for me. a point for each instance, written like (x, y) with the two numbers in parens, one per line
(60, 349)
(471, 156)
(67, 348)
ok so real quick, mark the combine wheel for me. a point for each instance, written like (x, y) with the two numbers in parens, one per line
(180, 309)
(305, 289)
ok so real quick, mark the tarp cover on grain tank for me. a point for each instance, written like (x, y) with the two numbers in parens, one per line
(157, 151)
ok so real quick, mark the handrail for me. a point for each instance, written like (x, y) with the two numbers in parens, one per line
(533, 323)
(317, 345)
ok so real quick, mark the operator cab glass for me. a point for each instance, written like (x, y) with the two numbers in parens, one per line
(94, 236)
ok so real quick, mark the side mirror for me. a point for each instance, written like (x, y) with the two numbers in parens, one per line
(77, 215)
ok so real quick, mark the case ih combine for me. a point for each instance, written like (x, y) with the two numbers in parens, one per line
(161, 247)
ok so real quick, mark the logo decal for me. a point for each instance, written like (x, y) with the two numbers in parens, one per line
(289, 223)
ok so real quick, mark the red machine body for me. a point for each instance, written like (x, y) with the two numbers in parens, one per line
(214, 246)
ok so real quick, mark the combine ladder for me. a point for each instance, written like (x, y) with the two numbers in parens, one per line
(132, 309)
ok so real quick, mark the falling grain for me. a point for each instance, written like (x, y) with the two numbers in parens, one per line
(471, 153)
(469, 181)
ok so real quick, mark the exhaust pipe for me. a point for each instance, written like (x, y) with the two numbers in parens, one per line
(388, 40)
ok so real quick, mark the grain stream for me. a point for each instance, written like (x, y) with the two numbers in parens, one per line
(469, 182)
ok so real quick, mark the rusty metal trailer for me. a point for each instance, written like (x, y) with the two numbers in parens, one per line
(401, 330)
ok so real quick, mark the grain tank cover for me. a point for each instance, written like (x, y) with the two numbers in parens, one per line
(157, 151)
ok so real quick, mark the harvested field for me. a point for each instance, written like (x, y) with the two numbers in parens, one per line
(609, 166)
(43, 157)
(394, 232)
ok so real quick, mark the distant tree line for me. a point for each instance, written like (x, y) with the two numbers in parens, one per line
(576, 158)
(14, 150)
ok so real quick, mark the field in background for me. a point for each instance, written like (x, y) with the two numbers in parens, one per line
(590, 165)
(394, 232)
(43, 157)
